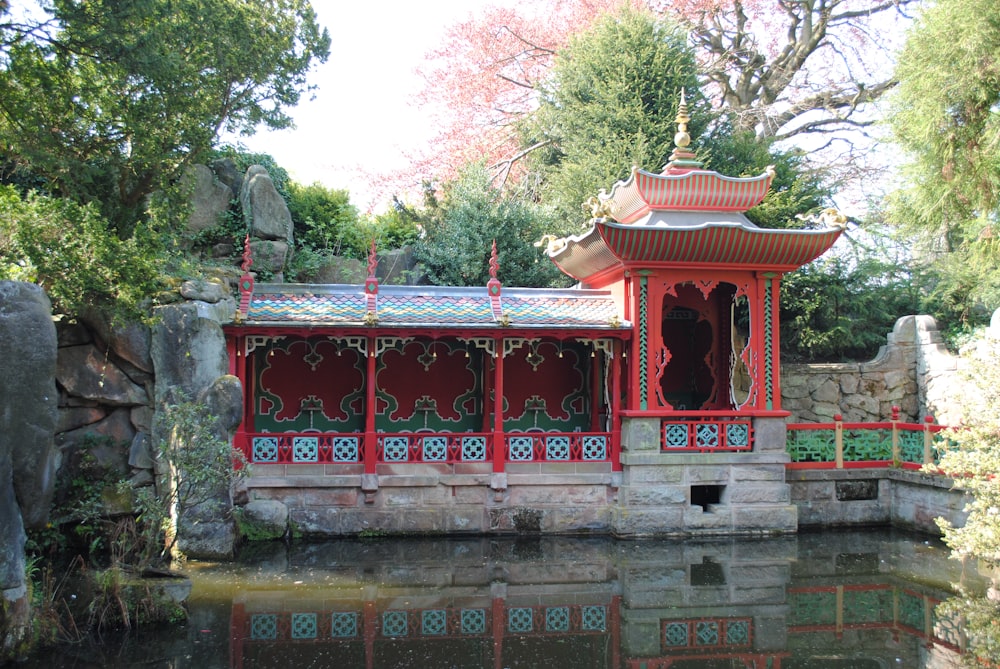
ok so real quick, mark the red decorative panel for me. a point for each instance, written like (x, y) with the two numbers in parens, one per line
(307, 384)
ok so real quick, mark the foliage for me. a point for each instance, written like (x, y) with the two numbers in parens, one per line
(109, 101)
(461, 229)
(978, 616)
(243, 159)
(797, 188)
(782, 68)
(975, 459)
(323, 218)
(840, 307)
(199, 462)
(68, 249)
(944, 116)
(608, 104)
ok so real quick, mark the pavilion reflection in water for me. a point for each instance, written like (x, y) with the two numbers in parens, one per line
(565, 602)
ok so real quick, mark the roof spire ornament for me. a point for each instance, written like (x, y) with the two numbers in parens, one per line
(493, 289)
(682, 160)
(371, 288)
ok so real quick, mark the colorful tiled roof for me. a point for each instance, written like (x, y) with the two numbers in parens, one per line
(418, 306)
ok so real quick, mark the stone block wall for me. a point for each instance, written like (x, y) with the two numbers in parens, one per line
(699, 494)
(913, 371)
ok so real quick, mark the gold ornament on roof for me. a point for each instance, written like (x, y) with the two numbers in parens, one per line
(600, 206)
(551, 243)
(828, 218)
(681, 138)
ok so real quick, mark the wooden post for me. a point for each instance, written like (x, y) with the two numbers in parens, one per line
(838, 440)
(928, 440)
(895, 436)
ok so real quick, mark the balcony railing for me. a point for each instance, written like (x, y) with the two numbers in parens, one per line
(706, 434)
(840, 445)
(447, 448)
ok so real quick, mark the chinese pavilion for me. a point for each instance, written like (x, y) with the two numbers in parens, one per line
(646, 401)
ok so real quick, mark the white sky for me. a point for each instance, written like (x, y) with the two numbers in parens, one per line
(362, 116)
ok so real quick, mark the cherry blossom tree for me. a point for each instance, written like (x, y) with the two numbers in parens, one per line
(785, 68)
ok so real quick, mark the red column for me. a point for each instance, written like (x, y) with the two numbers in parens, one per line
(596, 367)
(499, 458)
(615, 408)
(370, 407)
(775, 285)
(498, 627)
(237, 629)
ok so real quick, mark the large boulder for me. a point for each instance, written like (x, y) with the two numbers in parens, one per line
(28, 402)
(85, 371)
(207, 530)
(265, 210)
(209, 198)
(28, 397)
(225, 170)
(189, 356)
(188, 350)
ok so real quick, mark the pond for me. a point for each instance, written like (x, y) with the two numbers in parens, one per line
(858, 599)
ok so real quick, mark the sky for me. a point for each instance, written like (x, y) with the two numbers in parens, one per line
(362, 116)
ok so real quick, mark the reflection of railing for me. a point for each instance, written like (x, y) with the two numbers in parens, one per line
(706, 434)
(430, 623)
(295, 448)
(841, 445)
(877, 606)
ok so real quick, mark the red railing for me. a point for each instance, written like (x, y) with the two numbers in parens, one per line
(840, 445)
(448, 448)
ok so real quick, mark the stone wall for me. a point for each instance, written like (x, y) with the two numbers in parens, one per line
(913, 371)
(887, 496)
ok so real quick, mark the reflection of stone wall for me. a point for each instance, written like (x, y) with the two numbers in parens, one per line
(913, 371)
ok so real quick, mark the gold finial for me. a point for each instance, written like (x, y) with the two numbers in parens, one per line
(682, 138)
(371, 320)
(682, 160)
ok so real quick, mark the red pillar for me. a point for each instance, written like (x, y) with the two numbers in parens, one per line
(370, 407)
(596, 367)
(775, 285)
(616, 418)
(499, 457)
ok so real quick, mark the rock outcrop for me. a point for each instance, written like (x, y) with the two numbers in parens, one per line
(28, 403)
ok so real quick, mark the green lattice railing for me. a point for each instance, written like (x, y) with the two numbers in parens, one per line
(839, 444)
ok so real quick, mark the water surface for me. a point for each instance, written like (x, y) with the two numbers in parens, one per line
(860, 599)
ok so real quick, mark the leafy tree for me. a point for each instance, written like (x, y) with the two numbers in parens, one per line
(840, 306)
(65, 248)
(460, 231)
(975, 459)
(610, 103)
(108, 101)
(322, 217)
(944, 116)
(784, 69)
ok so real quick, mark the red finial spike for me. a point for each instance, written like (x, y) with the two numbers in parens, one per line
(372, 260)
(494, 263)
(247, 260)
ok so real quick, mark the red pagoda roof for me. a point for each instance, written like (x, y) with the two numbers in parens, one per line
(695, 190)
(720, 243)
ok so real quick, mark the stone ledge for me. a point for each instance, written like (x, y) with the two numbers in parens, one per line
(889, 473)
(703, 459)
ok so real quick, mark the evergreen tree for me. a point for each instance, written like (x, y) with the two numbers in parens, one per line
(944, 116)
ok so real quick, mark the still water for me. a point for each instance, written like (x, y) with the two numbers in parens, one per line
(860, 599)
